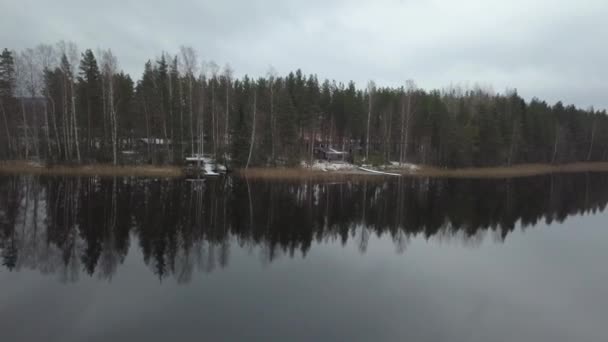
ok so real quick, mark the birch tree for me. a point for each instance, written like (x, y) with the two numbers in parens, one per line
(109, 67)
(45, 55)
(31, 83)
(214, 69)
(255, 97)
(203, 83)
(69, 63)
(228, 77)
(406, 114)
(271, 74)
(189, 66)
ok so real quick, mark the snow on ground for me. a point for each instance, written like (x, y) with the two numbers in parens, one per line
(209, 170)
(403, 166)
(323, 165)
(208, 164)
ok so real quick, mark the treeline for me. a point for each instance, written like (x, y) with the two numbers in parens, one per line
(60, 105)
(69, 225)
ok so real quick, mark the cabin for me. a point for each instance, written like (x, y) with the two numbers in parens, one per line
(330, 154)
(143, 143)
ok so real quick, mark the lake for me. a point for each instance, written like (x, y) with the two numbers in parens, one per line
(382, 259)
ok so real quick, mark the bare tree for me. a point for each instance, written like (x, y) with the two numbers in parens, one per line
(32, 81)
(45, 55)
(189, 65)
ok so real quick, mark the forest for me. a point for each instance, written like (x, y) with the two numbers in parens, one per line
(63, 105)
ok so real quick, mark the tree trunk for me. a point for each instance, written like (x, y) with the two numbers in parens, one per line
(89, 127)
(148, 129)
(192, 124)
(104, 107)
(66, 136)
(26, 139)
(113, 121)
(171, 123)
(592, 139)
(388, 135)
(181, 118)
(55, 127)
(8, 132)
(48, 135)
(512, 145)
(201, 123)
(213, 120)
(35, 132)
(369, 117)
(555, 145)
(255, 96)
(165, 133)
(408, 115)
(272, 132)
(402, 135)
(227, 119)
(312, 139)
(75, 124)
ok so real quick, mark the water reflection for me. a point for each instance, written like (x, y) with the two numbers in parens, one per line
(70, 226)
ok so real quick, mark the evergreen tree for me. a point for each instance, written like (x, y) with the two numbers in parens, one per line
(89, 95)
(7, 100)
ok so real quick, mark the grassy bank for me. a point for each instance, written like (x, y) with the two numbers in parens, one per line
(524, 170)
(104, 170)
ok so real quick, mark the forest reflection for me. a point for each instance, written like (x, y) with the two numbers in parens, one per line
(70, 226)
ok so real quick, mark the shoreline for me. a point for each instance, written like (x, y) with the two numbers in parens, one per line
(171, 171)
(15, 167)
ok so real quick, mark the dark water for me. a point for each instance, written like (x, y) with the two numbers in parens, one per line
(126, 259)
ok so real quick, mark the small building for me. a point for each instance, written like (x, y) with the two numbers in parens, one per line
(330, 154)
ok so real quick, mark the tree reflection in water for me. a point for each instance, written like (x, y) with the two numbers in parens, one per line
(66, 226)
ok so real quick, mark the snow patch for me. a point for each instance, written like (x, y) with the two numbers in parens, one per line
(330, 166)
(404, 166)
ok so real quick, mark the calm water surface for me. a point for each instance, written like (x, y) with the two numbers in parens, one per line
(128, 259)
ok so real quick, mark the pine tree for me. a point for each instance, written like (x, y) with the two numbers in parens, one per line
(89, 90)
(7, 100)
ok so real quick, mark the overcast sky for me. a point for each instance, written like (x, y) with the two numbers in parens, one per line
(551, 49)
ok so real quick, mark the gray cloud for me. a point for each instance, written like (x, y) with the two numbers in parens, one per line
(551, 49)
